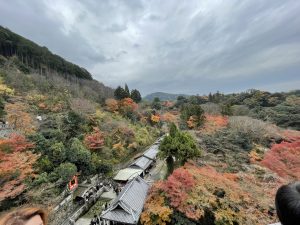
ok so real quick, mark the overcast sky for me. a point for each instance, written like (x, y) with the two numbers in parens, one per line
(172, 46)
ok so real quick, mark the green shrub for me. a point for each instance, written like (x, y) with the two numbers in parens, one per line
(66, 171)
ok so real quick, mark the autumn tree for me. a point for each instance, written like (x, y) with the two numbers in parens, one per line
(16, 164)
(127, 106)
(111, 105)
(168, 117)
(214, 123)
(15, 143)
(5, 91)
(18, 117)
(155, 118)
(284, 159)
(202, 195)
(192, 115)
(15, 168)
(135, 95)
(156, 210)
(95, 140)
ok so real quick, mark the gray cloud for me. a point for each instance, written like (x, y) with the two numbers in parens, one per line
(180, 47)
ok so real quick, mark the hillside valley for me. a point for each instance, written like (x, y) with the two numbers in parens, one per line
(225, 155)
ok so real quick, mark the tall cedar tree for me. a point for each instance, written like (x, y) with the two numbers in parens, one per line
(136, 96)
(119, 93)
(180, 145)
(127, 91)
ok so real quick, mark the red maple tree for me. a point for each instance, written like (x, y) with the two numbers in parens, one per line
(284, 158)
(95, 140)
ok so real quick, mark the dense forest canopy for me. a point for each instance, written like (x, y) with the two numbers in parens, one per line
(36, 57)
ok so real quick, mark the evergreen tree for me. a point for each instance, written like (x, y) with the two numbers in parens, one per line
(210, 97)
(156, 104)
(178, 145)
(79, 155)
(173, 130)
(58, 152)
(120, 93)
(136, 96)
(2, 112)
(66, 171)
(127, 91)
(227, 110)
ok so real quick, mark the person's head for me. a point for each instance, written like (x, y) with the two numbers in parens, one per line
(25, 216)
(287, 203)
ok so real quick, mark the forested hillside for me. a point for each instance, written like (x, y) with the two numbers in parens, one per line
(56, 129)
(32, 57)
(246, 154)
(223, 156)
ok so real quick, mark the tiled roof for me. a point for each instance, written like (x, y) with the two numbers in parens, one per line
(142, 162)
(128, 174)
(151, 153)
(128, 206)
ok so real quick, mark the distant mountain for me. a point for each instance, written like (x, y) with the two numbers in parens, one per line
(34, 57)
(163, 96)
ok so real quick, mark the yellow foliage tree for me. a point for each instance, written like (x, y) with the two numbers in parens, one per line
(4, 90)
(155, 118)
(155, 209)
(119, 149)
(19, 118)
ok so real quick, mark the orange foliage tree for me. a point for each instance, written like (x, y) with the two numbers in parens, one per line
(111, 105)
(16, 163)
(155, 118)
(201, 194)
(15, 143)
(14, 168)
(168, 117)
(95, 140)
(156, 210)
(18, 117)
(128, 103)
(127, 107)
(192, 122)
(118, 149)
(214, 122)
